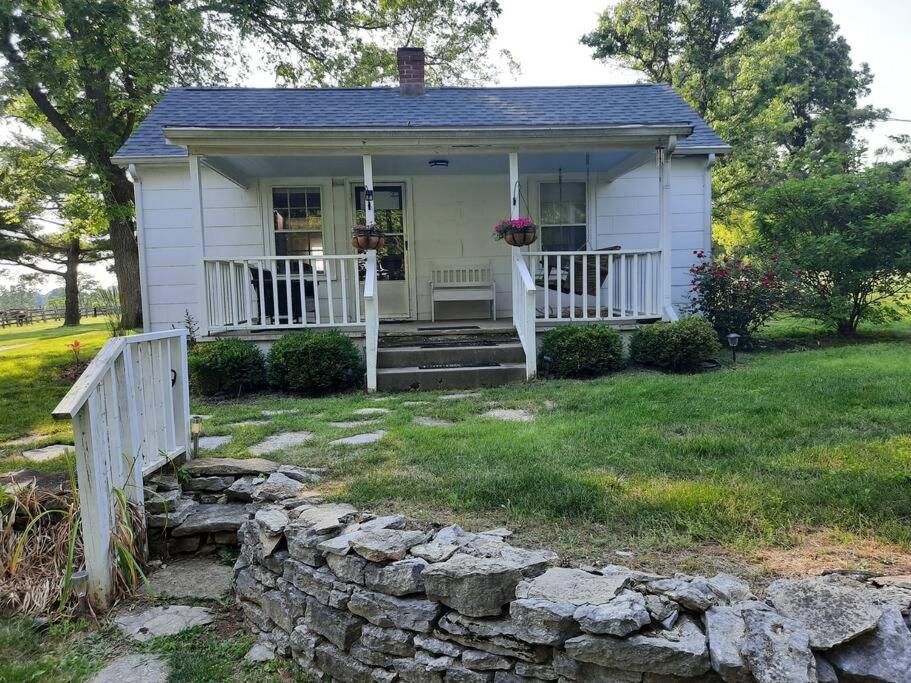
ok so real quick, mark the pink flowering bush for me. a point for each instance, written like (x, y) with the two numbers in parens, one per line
(736, 294)
(509, 226)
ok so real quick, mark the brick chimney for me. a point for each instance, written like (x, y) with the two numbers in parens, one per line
(411, 70)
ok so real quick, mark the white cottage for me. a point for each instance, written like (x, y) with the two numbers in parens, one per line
(245, 200)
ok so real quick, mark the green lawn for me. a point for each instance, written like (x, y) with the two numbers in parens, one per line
(31, 359)
(783, 447)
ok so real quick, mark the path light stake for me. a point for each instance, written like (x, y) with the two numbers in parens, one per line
(733, 339)
(195, 427)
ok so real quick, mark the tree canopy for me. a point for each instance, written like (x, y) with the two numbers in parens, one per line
(90, 69)
(773, 77)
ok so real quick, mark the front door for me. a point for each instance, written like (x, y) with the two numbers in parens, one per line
(393, 271)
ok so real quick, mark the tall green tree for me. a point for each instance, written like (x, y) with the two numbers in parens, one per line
(90, 69)
(52, 219)
(773, 77)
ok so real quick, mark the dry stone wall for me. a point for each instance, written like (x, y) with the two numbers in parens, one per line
(353, 597)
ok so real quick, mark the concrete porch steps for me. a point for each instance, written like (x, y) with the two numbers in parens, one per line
(463, 377)
(449, 359)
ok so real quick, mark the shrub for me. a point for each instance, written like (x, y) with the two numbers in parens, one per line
(736, 295)
(849, 238)
(314, 362)
(582, 350)
(229, 366)
(679, 347)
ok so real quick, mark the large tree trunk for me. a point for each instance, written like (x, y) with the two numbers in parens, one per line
(125, 249)
(71, 284)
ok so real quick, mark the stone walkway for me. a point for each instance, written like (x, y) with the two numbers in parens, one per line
(359, 439)
(47, 452)
(280, 441)
(168, 620)
(135, 668)
(208, 443)
(509, 415)
(199, 578)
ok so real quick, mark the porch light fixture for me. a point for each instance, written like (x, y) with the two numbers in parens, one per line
(368, 198)
(195, 428)
(433, 163)
(733, 339)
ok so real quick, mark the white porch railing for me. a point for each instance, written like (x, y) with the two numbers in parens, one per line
(131, 414)
(597, 285)
(284, 292)
(523, 311)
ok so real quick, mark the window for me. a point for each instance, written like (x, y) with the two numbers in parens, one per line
(563, 216)
(297, 219)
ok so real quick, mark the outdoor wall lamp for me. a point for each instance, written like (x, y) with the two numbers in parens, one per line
(733, 339)
(368, 198)
(195, 428)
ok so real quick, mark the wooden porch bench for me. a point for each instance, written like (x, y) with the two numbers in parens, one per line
(462, 281)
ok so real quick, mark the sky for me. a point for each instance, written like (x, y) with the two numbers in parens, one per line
(543, 37)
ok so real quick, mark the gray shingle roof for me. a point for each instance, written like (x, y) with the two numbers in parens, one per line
(439, 108)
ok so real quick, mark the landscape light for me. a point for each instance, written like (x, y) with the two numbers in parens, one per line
(733, 339)
(195, 428)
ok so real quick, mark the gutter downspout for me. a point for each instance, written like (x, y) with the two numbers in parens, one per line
(136, 179)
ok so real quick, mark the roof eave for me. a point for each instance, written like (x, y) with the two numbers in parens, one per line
(240, 140)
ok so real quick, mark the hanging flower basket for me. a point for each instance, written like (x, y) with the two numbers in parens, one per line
(364, 237)
(516, 232)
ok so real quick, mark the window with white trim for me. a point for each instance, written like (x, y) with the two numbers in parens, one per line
(563, 216)
(297, 221)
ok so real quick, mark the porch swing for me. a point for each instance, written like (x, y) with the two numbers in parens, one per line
(582, 273)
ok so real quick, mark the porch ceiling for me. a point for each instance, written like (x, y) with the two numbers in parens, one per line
(247, 168)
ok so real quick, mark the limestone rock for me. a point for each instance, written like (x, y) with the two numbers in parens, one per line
(694, 594)
(209, 483)
(284, 606)
(384, 522)
(201, 578)
(542, 621)
(159, 502)
(370, 657)
(412, 614)
(325, 519)
(730, 589)
(681, 651)
(278, 487)
(437, 646)
(134, 668)
(337, 626)
(884, 655)
(221, 467)
(411, 671)
(389, 640)
(480, 586)
(901, 581)
(341, 666)
(434, 551)
(825, 672)
(433, 662)
(573, 586)
(244, 488)
(776, 648)
(569, 669)
(172, 518)
(259, 653)
(623, 615)
(317, 582)
(303, 544)
(724, 628)
(496, 636)
(833, 609)
(663, 610)
(459, 674)
(162, 621)
(305, 475)
(383, 545)
(207, 519)
(485, 661)
(272, 520)
(399, 578)
(347, 567)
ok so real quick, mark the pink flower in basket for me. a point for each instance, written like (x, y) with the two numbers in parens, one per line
(509, 226)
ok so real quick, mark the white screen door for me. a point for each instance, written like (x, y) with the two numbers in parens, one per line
(392, 259)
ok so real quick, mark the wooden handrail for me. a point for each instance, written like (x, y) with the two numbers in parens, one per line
(89, 379)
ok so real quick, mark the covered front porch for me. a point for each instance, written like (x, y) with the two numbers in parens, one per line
(599, 257)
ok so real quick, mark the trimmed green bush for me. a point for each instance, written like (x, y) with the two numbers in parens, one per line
(679, 347)
(226, 366)
(582, 350)
(314, 363)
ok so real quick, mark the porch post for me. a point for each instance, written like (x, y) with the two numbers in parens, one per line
(514, 186)
(663, 158)
(368, 190)
(199, 219)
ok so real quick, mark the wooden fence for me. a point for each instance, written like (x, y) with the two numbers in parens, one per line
(27, 316)
(131, 415)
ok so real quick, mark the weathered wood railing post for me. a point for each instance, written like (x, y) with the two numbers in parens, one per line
(130, 411)
(371, 319)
